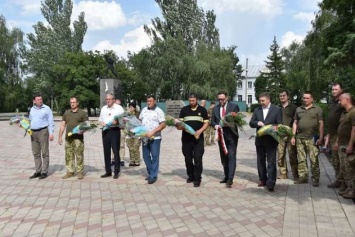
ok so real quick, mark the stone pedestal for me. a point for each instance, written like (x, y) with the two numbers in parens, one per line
(107, 85)
(173, 107)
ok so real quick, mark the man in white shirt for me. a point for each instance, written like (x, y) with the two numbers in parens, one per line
(153, 119)
(111, 135)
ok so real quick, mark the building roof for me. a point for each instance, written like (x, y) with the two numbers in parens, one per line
(254, 70)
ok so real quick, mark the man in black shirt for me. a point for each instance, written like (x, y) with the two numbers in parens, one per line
(193, 148)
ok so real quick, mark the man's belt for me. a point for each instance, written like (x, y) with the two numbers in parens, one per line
(36, 130)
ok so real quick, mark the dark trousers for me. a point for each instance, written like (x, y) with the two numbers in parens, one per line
(267, 175)
(229, 161)
(193, 152)
(111, 140)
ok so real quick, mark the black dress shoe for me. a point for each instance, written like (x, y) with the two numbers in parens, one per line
(189, 180)
(115, 176)
(197, 184)
(35, 175)
(106, 175)
(43, 176)
(271, 189)
(229, 183)
(151, 181)
(122, 163)
(223, 181)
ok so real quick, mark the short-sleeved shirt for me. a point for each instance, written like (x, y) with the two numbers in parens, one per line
(194, 118)
(73, 119)
(151, 118)
(288, 114)
(107, 114)
(308, 121)
(347, 121)
(334, 113)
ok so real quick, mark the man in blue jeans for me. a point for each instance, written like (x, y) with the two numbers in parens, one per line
(153, 119)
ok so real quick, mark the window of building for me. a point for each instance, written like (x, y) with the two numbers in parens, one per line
(250, 84)
(240, 98)
(250, 99)
(239, 84)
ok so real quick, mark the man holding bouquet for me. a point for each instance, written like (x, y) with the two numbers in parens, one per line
(111, 136)
(153, 119)
(228, 138)
(74, 144)
(193, 145)
(266, 146)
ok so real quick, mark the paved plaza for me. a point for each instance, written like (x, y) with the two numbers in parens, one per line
(129, 206)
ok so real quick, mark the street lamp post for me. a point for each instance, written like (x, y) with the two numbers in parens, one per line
(246, 82)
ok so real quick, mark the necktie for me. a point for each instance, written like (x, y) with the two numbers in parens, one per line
(223, 111)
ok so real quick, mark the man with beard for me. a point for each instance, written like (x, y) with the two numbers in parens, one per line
(334, 113)
(195, 116)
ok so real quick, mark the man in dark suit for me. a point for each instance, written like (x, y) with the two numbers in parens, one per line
(266, 146)
(230, 137)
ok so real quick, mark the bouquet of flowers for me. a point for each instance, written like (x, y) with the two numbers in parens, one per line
(234, 121)
(23, 123)
(171, 121)
(134, 128)
(82, 127)
(119, 118)
(276, 131)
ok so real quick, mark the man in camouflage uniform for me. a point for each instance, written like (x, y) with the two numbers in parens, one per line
(133, 143)
(345, 145)
(209, 138)
(74, 145)
(335, 111)
(288, 114)
(308, 122)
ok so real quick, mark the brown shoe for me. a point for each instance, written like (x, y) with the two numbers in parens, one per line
(335, 184)
(342, 192)
(68, 175)
(301, 180)
(282, 176)
(80, 176)
(350, 194)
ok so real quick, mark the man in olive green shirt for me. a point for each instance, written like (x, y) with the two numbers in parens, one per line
(334, 113)
(308, 123)
(288, 114)
(345, 145)
(74, 145)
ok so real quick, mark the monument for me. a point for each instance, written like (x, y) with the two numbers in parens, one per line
(173, 107)
(108, 84)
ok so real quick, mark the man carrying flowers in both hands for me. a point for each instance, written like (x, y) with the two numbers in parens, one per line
(111, 136)
(228, 141)
(74, 144)
(266, 146)
(153, 119)
(195, 116)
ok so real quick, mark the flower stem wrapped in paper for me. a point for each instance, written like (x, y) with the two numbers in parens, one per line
(118, 119)
(23, 122)
(278, 132)
(173, 122)
(234, 121)
(82, 127)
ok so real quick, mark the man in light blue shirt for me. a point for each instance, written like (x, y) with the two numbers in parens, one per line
(42, 125)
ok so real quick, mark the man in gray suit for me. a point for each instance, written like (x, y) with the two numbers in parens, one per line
(229, 160)
(266, 146)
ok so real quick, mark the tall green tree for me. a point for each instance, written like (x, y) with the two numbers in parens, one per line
(12, 90)
(273, 79)
(49, 43)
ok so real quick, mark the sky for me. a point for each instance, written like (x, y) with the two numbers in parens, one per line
(118, 24)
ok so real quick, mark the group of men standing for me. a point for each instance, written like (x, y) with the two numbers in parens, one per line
(306, 121)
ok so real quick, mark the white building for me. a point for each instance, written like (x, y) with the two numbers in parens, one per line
(245, 85)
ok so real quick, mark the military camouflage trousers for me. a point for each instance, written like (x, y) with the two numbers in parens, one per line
(292, 155)
(347, 170)
(209, 135)
(335, 159)
(74, 148)
(306, 147)
(133, 145)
